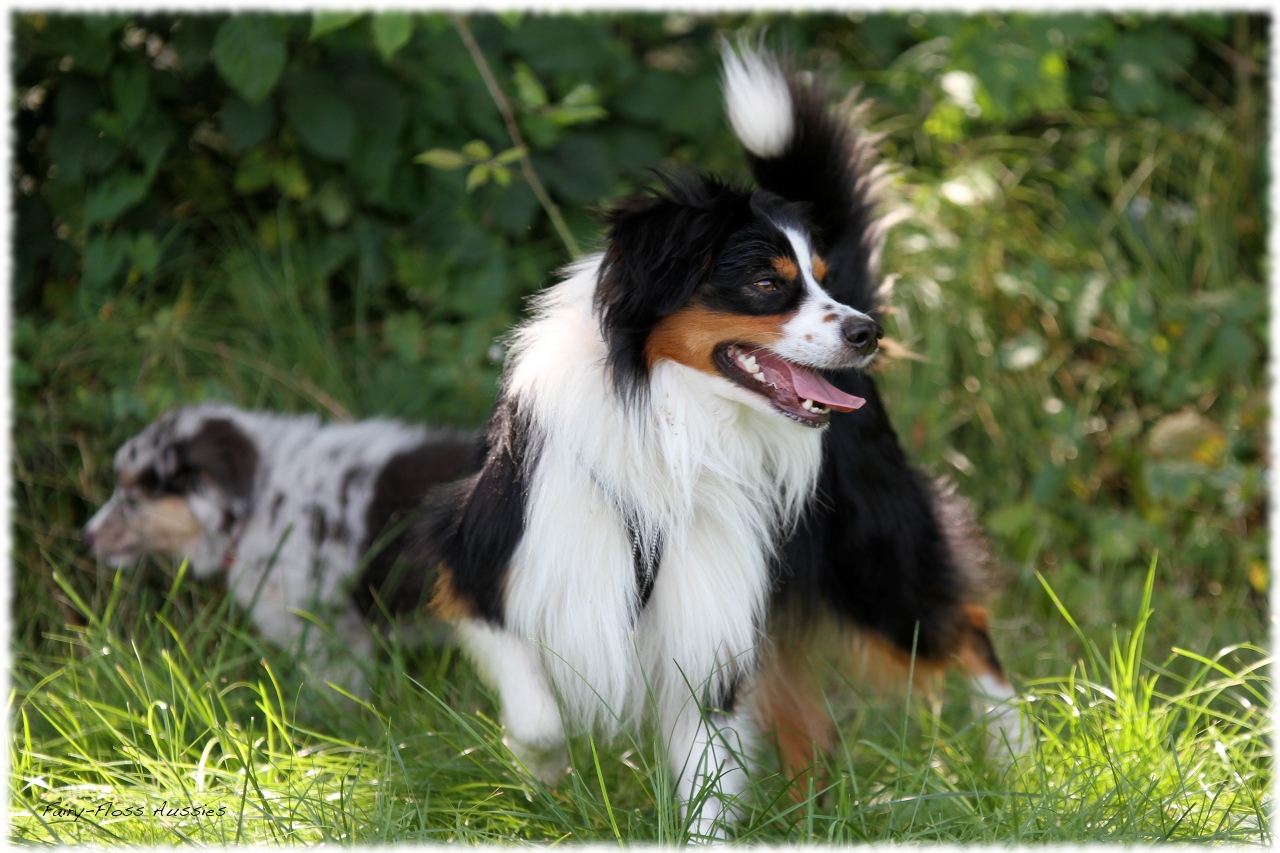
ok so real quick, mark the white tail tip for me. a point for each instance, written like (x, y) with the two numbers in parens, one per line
(756, 99)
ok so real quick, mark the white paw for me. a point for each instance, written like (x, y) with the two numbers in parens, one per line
(546, 764)
(1009, 737)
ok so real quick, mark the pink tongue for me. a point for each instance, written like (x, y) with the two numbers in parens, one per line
(809, 384)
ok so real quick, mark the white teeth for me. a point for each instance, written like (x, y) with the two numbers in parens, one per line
(807, 405)
(816, 408)
(759, 375)
(749, 364)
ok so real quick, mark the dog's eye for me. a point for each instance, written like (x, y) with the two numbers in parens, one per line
(767, 285)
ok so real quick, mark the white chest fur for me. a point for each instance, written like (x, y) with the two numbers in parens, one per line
(712, 478)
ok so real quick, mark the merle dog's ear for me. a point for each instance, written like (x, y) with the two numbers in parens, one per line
(659, 246)
(222, 452)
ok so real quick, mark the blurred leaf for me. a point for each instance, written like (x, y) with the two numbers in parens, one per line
(391, 31)
(144, 249)
(1184, 434)
(115, 194)
(321, 117)
(510, 19)
(509, 156)
(582, 95)
(255, 172)
(111, 124)
(441, 158)
(327, 22)
(290, 177)
(130, 89)
(478, 176)
(477, 149)
(249, 53)
(528, 88)
(566, 116)
(245, 125)
(333, 205)
(1259, 577)
(102, 258)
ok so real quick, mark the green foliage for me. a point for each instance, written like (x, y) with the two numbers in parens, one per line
(249, 52)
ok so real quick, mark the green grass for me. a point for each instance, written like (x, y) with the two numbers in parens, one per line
(162, 713)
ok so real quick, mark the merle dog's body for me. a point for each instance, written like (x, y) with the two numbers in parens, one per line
(303, 517)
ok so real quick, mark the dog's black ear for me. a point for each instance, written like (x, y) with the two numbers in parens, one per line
(222, 452)
(659, 246)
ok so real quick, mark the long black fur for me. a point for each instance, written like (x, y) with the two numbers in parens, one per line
(472, 527)
(660, 245)
(871, 546)
(397, 494)
(828, 167)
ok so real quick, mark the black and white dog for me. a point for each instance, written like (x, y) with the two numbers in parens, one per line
(302, 517)
(658, 434)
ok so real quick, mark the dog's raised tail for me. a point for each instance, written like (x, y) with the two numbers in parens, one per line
(803, 149)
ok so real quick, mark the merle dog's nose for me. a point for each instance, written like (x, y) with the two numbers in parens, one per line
(861, 333)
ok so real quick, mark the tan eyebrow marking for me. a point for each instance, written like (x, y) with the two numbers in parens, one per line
(819, 268)
(786, 268)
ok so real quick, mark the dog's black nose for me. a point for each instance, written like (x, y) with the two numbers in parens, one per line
(861, 333)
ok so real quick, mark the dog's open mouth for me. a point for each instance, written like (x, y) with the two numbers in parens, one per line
(797, 391)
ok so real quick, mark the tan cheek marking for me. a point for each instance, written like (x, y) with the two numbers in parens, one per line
(830, 318)
(786, 268)
(691, 335)
(167, 525)
(819, 268)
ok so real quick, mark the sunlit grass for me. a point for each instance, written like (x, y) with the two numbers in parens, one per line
(161, 716)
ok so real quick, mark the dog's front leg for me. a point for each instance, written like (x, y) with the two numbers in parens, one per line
(333, 642)
(341, 655)
(709, 753)
(511, 667)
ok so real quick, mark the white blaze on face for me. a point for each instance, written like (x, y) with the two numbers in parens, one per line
(814, 336)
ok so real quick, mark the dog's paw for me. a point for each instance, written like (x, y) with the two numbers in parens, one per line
(545, 764)
(1010, 735)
